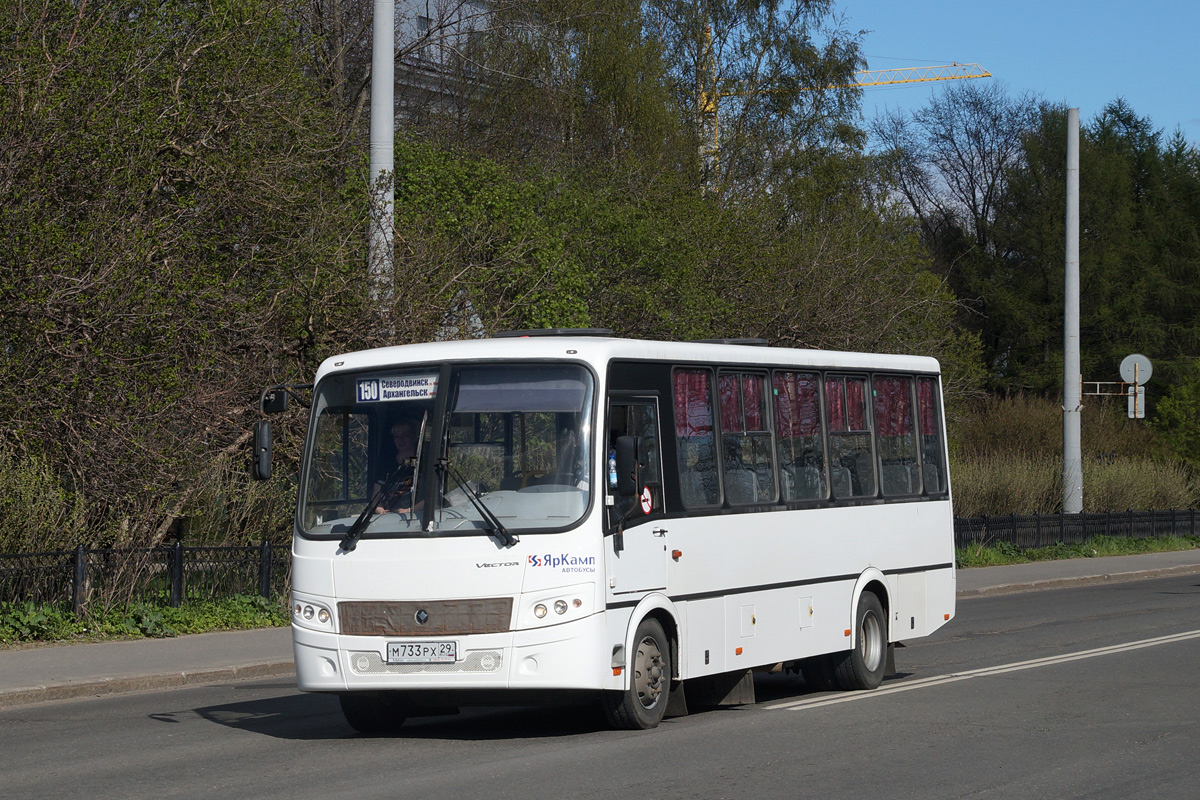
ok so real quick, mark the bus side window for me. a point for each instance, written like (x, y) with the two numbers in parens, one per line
(895, 436)
(798, 432)
(852, 468)
(748, 462)
(695, 438)
(933, 449)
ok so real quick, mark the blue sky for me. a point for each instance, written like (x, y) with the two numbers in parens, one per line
(1084, 54)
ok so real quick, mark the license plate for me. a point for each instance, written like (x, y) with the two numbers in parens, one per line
(422, 652)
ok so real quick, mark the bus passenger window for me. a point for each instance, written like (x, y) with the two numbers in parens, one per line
(851, 467)
(798, 434)
(895, 436)
(933, 449)
(695, 438)
(748, 463)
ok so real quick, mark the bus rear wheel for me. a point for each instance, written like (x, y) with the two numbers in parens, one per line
(862, 666)
(642, 705)
(373, 712)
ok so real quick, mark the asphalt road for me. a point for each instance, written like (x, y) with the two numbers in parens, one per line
(1086, 692)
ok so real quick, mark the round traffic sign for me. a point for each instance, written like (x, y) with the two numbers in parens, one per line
(1136, 369)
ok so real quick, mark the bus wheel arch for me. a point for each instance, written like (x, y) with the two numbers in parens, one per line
(651, 668)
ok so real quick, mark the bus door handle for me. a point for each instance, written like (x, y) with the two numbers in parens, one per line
(659, 532)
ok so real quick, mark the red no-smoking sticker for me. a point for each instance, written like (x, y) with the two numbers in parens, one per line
(647, 502)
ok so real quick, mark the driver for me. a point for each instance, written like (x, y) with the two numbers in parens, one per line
(399, 499)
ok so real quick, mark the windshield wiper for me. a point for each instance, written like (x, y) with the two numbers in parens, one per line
(350, 540)
(497, 527)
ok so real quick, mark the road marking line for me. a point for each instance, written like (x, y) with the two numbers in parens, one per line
(847, 697)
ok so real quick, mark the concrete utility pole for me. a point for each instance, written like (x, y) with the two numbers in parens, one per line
(1072, 377)
(382, 224)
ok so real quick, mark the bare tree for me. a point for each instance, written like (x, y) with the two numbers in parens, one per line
(950, 159)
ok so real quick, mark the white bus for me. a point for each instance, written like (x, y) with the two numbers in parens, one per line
(564, 514)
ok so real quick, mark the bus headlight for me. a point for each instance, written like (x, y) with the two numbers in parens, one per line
(569, 603)
(311, 615)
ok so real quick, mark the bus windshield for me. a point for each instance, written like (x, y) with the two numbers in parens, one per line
(514, 438)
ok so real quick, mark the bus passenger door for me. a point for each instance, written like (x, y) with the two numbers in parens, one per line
(637, 540)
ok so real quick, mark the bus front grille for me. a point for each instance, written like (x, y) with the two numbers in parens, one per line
(419, 618)
(474, 661)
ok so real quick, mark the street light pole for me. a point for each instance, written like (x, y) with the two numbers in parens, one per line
(1072, 376)
(382, 220)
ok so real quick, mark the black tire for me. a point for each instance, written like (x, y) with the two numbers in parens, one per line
(862, 667)
(642, 705)
(373, 712)
(817, 672)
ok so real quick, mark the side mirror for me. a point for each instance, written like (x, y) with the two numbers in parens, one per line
(262, 450)
(274, 400)
(628, 468)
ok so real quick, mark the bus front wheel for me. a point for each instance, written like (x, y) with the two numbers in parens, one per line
(643, 704)
(373, 712)
(862, 666)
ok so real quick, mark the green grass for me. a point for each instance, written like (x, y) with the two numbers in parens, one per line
(1002, 553)
(22, 623)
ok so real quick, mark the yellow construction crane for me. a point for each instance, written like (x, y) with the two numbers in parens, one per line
(708, 101)
(887, 77)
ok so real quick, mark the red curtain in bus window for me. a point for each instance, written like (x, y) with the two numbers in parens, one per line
(893, 406)
(787, 404)
(753, 403)
(730, 403)
(808, 405)
(797, 410)
(927, 406)
(693, 406)
(835, 404)
(856, 403)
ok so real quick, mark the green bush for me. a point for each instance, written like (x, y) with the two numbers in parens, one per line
(27, 622)
(37, 511)
(1000, 553)
(30, 622)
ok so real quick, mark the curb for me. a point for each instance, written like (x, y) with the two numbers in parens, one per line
(140, 683)
(1082, 580)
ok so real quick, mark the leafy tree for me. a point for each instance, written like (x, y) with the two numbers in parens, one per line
(1139, 251)
(169, 179)
(830, 270)
(984, 175)
(750, 75)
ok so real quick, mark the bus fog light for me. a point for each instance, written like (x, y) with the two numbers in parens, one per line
(539, 611)
(323, 616)
(560, 606)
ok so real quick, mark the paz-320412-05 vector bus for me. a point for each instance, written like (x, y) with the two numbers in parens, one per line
(563, 514)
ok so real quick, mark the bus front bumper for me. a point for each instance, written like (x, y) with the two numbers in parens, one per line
(567, 656)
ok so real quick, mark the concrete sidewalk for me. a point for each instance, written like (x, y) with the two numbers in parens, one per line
(59, 672)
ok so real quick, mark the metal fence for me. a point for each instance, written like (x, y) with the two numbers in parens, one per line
(164, 575)
(1046, 530)
(177, 575)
